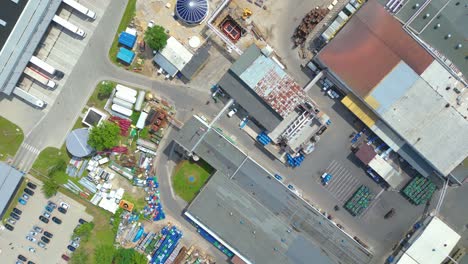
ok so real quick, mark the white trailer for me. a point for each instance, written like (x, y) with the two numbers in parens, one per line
(141, 120)
(64, 23)
(125, 96)
(39, 77)
(29, 97)
(130, 91)
(121, 110)
(140, 100)
(80, 8)
(43, 65)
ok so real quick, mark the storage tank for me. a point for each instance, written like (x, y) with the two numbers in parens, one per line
(126, 97)
(122, 103)
(125, 89)
(141, 120)
(140, 100)
(121, 110)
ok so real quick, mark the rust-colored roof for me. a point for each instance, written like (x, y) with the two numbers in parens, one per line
(237, 260)
(365, 153)
(370, 45)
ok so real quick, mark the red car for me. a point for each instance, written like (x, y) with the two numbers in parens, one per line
(65, 257)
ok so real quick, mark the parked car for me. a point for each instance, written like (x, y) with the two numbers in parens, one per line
(31, 249)
(150, 24)
(52, 204)
(46, 214)
(9, 227)
(15, 216)
(25, 196)
(22, 258)
(37, 229)
(22, 201)
(333, 94)
(82, 221)
(326, 177)
(74, 244)
(30, 238)
(71, 248)
(17, 211)
(64, 205)
(62, 210)
(278, 177)
(49, 208)
(56, 220)
(31, 185)
(33, 233)
(45, 239)
(48, 234)
(43, 219)
(232, 112)
(41, 244)
(11, 221)
(30, 262)
(28, 191)
(65, 257)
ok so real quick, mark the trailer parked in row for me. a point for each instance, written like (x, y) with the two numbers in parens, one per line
(29, 97)
(80, 8)
(39, 77)
(64, 23)
(45, 67)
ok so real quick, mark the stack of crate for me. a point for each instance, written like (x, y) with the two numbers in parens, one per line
(359, 201)
(419, 190)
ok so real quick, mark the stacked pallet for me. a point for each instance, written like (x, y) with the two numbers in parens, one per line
(359, 201)
(419, 190)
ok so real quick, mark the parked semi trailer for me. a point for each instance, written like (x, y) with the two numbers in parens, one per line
(29, 97)
(80, 8)
(45, 67)
(64, 23)
(39, 77)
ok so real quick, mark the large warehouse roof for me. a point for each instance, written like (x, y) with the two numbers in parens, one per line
(23, 38)
(9, 180)
(369, 46)
(445, 17)
(258, 217)
(396, 78)
(433, 245)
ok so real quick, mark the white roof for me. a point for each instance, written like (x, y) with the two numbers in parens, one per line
(386, 171)
(176, 53)
(131, 31)
(109, 205)
(432, 246)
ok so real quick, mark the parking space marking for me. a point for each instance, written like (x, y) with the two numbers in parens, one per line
(374, 202)
(343, 183)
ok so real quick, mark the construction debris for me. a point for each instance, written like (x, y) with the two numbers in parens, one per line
(308, 24)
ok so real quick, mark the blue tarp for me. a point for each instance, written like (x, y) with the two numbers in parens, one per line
(127, 39)
(125, 55)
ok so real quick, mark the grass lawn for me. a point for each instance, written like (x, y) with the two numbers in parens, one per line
(126, 18)
(11, 137)
(48, 158)
(189, 177)
(95, 100)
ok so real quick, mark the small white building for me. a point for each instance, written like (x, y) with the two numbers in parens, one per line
(173, 57)
(432, 245)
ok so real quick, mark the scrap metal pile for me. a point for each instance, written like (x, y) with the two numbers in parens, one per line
(308, 24)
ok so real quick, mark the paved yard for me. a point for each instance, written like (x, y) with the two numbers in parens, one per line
(14, 242)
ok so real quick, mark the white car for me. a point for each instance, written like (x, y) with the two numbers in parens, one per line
(64, 205)
(332, 94)
(150, 23)
(232, 112)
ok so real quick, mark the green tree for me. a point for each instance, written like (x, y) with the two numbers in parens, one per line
(50, 188)
(129, 256)
(105, 89)
(104, 136)
(104, 254)
(61, 165)
(156, 37)
(84, 231)
(79, 257)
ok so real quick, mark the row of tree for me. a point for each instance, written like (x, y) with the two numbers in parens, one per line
(108, 254)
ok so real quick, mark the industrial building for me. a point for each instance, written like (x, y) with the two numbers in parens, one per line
(24, 24)
(431, 244)
(10, 180)
(399, 90)
(271, 97)
(251, 216)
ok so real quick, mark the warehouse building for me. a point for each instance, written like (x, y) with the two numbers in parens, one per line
(10, 180)
(22, 27)
(399, 91)
(271, 97)
(252, 217)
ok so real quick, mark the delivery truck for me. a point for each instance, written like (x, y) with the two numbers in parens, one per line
(44, 80)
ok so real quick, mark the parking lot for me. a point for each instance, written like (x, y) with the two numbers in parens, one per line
(61, 49)
(13, 243)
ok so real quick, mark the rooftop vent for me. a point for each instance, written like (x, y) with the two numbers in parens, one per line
(448, 36)
(426, 15)
(437, 26)
(459, 45)
(416, 6)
